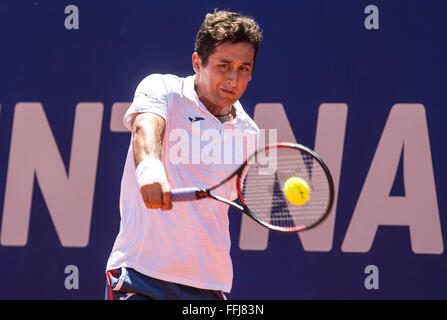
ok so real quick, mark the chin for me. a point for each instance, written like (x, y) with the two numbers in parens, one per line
(224, 103)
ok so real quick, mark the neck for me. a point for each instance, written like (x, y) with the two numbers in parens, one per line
(211, 107)
(219, 111)
(230, 110)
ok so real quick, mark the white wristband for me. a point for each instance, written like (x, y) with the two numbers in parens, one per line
(150, 170)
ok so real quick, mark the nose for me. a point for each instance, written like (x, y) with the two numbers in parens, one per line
(233, 79)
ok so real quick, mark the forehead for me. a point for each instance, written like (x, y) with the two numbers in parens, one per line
(241, 52)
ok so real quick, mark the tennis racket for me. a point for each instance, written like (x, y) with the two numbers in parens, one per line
(260, 186)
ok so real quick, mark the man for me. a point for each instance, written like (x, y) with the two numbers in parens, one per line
(182, 250)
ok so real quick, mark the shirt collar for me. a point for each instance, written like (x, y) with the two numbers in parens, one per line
(188, 90)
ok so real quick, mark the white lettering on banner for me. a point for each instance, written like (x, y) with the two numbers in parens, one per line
(116, 117)
(69, 197)
(252, 235)
(34, 152)
(405, 128)
(328, 144)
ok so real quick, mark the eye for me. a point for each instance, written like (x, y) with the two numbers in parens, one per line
(245, 69)
(224, 67)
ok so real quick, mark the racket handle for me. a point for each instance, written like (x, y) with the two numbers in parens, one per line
(186, 194)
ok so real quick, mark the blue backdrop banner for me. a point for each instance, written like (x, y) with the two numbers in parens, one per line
(361, 82)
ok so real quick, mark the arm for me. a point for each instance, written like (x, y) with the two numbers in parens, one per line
(148, 131)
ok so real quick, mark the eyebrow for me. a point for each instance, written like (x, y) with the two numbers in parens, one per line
(228, 61)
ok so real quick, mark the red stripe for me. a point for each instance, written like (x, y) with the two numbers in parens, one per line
(108, 274)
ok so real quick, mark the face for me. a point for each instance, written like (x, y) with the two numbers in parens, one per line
(226, 75)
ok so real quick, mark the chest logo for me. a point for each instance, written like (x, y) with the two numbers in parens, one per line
(195, 119)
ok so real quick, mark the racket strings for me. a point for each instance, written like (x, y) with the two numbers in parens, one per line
(263, 188)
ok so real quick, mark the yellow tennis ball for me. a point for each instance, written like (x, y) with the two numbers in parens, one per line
(297, 191)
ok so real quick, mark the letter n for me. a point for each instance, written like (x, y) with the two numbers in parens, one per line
(329, 142)
(34, 153)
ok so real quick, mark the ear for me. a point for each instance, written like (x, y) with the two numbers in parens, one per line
(196, 62)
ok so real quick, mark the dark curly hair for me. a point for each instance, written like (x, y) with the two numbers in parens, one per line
(221, 26)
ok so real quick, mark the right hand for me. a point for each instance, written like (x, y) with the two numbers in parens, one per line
(157, 195)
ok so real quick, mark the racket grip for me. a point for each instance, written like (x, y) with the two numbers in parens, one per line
(185, 194)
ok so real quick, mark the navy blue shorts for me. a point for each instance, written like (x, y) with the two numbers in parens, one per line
(129, 284)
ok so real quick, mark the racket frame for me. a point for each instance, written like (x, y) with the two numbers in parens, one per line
(247, 210)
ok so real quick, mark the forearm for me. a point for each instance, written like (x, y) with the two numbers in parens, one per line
(147, 142)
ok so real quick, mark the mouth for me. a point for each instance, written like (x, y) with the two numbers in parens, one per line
(227, 91)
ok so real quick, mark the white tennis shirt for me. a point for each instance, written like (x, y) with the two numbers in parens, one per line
(189, 244)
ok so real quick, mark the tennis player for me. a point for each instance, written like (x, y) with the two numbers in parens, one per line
(182, 250)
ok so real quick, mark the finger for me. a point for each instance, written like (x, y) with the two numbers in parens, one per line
(145, 197)
(166, 188)
(155, 195)
(166, 207)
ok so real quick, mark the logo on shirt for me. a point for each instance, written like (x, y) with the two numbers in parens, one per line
(195, 119)
(147, 95)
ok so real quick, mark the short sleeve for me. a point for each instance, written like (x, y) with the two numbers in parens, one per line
(150, 96)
